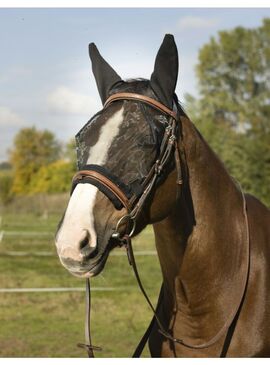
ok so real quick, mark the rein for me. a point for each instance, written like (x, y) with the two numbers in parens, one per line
(133, 205)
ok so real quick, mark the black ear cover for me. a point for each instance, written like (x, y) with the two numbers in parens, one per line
(164, 77)
(104, 74)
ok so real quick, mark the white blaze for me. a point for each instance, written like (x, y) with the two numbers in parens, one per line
(98, 153)
(78, 218)
(79, 214)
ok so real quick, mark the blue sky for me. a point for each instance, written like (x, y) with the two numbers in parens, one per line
(46, 80)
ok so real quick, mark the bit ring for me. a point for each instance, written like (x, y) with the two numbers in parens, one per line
(127, 218)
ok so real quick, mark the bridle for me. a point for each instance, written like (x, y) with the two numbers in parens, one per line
(133, 204)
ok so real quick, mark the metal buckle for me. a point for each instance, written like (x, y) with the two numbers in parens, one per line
(172, 139)
(127, 218)
(157, 167)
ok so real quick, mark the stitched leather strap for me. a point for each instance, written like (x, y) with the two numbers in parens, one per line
(145, 99)
(88, 342)
(106, 182)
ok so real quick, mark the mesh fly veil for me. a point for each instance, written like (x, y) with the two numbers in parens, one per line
(133, 151)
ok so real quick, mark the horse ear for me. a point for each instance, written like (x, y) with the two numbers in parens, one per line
(104, 74)
(163, 79)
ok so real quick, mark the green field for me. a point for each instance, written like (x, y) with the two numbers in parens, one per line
(50, 324)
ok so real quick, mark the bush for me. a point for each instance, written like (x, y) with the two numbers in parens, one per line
(53, 178)
(32, 149)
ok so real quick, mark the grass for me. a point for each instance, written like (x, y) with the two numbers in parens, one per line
(50, 324)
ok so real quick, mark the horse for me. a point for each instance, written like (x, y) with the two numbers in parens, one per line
(212, 240)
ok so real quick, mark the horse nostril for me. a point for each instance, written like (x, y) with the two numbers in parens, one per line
(86, 250)
(85, 241)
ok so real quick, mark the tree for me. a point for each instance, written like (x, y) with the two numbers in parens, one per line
(233, 110)
(32, 150)
(234, 77)
(53, 178)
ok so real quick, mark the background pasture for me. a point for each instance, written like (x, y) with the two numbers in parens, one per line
(50, 324)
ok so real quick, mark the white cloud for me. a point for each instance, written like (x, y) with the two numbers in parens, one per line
(196, 22)
(65, 100)
(8, 118)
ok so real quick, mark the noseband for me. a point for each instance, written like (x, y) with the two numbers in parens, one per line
(120, 194)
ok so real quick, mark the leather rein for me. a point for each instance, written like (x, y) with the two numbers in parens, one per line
(133, 206)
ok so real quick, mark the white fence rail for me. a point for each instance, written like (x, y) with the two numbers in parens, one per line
(48, 253)
(51, 254)
(27, 233)
(55, 290)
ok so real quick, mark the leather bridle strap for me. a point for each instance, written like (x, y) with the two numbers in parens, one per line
(142, 98)
(80, 175)
(88, 342)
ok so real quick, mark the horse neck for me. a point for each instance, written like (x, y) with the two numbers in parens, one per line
(199, 262)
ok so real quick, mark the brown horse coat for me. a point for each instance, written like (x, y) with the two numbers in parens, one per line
(205, 270)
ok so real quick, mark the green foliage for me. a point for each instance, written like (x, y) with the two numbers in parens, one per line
(233, 110)
(233, 73)
(53, 178)
(6, 181)
(32, 149)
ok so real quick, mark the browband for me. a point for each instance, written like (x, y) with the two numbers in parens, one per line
(145, 99)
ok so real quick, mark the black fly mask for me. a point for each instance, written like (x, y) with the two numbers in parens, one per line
(135, 147)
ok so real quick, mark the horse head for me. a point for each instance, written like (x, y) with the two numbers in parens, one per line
(122, 146)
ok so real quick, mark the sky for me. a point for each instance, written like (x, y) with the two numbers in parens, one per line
(45, 71)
